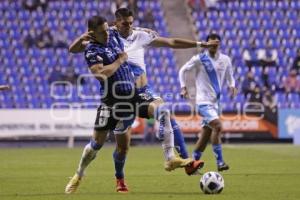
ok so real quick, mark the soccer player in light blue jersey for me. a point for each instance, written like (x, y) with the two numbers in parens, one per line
(213, 70)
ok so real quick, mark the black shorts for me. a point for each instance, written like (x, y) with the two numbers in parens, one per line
(145, 97)
(116, 114)
(119, 114)
(115, 118)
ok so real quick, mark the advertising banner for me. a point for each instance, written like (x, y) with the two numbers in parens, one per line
(289, 123)
(52, 122)
(231, 123)
(80, 122)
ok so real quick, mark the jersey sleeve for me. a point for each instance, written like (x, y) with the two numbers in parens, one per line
(229, 74)
(93, 57)
(146, 38)
(193, 62)
(119, 44)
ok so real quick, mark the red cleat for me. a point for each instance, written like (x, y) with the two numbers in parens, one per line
(121, 186)
(193, 167)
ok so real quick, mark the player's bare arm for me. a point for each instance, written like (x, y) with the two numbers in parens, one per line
(184, 92)
(179, 43)
(102, 72)
(147, 30)
(233, 91)
(79, 44)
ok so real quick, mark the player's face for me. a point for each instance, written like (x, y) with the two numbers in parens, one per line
(214, 49)
(124, 25)
(102, 34)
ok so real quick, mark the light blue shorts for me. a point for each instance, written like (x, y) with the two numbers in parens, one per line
(209, 113)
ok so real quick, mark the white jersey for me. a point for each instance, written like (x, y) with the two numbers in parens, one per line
(135, 45)
(211, 73)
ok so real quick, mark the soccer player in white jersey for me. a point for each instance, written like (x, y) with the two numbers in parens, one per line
(213, 69)
(135, 42)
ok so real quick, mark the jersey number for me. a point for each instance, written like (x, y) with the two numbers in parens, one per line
(104, 116)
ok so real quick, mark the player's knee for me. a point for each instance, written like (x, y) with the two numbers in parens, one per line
(151, 108)
(158, 101)
(218, 127)
(123, 150)
(162, 110)
(98, 139)
(158, 104)
(96, 145)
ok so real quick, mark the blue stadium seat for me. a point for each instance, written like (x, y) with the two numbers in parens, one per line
(293, 97)
(239, 20)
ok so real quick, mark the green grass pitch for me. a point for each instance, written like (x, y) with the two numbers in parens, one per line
(258, 172)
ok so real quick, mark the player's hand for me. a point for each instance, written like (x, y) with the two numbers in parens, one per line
(87, 36)
(4, 87)
(123, 57)
(113, 27)
(184, 93)
(213, 43)
(233, 91)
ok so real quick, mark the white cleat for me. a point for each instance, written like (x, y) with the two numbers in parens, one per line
(177, 162)
(73, 184)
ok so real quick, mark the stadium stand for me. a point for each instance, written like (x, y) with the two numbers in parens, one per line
(27, 68)
(240, 22)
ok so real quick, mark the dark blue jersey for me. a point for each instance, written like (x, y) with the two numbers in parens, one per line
(106, 54)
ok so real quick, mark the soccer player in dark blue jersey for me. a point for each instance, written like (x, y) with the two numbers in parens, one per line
(116, 113)
(107, 62)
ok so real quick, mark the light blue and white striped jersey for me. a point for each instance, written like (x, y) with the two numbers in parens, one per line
(210, 77)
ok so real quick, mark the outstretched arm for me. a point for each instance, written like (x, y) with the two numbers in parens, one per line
(179, 43)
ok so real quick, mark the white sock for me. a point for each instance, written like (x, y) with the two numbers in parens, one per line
(168, 142)
(88, 155)
(169, 153)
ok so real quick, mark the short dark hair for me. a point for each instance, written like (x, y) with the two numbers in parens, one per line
(123, 12)
(213, 36)
(95, 21)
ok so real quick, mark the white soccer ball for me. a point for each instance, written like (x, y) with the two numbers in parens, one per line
(212, 183)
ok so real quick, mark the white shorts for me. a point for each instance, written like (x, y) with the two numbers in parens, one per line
(209, 113)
